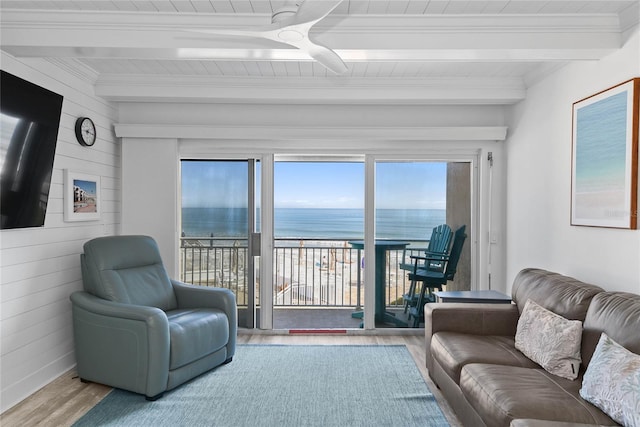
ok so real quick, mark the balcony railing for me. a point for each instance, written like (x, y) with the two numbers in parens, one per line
(215, 262)
(307, 273)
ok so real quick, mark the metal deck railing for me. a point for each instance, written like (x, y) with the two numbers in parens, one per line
(307, 272)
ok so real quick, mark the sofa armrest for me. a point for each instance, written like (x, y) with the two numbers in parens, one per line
(192, 296)
(471, 318)
(468, 318)
(123, 345)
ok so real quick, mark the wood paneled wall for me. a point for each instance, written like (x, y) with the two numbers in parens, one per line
(40, 267)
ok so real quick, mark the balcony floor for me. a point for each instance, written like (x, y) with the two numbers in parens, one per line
(321, 318)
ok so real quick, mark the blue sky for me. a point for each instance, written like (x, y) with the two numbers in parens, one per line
(319, 185)
(210, 184)
(88, 186)
(411, 185)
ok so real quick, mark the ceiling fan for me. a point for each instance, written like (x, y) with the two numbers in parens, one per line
(290, 25)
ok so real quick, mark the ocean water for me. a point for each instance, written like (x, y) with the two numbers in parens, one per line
(601, 145)
(403, 224)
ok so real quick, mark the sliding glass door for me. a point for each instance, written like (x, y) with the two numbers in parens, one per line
(338, 234)
(219, 241)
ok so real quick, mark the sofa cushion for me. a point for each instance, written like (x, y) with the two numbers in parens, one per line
(618, 315)
(500, 394)
(612, 382)
(563, 295)
(550, 340)
(453, 350)
(196, 333)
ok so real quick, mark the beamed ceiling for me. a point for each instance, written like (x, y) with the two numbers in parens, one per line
(396, 51)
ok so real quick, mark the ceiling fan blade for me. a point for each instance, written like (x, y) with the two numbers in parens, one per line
(294, 31)
(314, 10)
(325, 56)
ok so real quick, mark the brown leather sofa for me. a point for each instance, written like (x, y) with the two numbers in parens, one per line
(471, 354)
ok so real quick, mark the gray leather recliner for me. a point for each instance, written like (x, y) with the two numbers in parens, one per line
(137, 329)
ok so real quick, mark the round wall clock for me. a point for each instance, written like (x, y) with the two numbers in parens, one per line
(85, 131)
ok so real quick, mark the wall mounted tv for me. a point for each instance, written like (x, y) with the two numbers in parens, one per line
(30, 118)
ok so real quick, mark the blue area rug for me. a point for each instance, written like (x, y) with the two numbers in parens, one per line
(277, 385)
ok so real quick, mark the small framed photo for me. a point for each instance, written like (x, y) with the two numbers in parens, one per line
(81, 196)
(604, 181)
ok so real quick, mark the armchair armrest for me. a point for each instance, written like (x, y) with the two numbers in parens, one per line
(114, 343)
(468, 318)
(113, 309)
(192, 296)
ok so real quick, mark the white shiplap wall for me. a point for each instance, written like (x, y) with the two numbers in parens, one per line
(40, 267)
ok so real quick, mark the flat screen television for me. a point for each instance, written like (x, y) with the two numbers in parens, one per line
(29, 122)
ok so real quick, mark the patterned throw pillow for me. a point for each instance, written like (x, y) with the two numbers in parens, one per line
(550, 340)
(612, 382)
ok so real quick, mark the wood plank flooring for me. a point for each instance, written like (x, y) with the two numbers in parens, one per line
(66, 399)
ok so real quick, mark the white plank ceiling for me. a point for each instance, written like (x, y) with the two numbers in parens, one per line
(403, 51)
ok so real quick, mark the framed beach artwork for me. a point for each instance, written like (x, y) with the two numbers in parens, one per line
(604, 173)
(81, 196)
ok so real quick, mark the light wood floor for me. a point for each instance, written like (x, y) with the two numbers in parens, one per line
(66, 399)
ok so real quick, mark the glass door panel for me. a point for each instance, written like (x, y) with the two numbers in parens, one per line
(218, 222)
(318, 211)
(410, 199)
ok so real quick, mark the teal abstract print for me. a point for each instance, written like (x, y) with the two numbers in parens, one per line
(604, 181)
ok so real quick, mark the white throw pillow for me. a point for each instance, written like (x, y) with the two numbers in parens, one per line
(612, 382)
(550, 340)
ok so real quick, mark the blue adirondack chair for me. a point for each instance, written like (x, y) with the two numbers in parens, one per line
(438, 248)
(431, 279)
